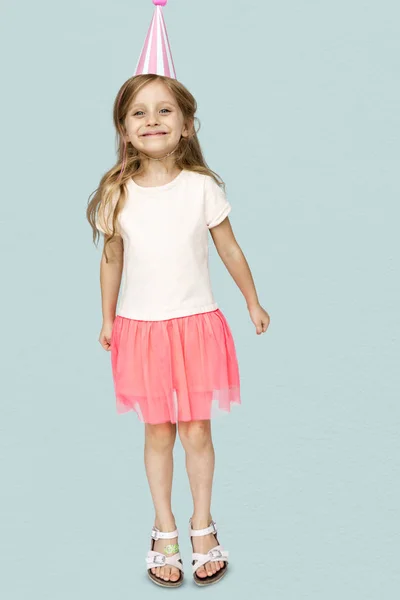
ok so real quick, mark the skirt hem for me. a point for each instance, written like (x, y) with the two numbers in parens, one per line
(215, 411)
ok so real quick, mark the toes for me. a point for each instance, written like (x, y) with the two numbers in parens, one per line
(158, 571)
(174, 574)
(201, 572)
(209, 569)
(221, 564)
(167, 573)
(217, 567)
(153, 570)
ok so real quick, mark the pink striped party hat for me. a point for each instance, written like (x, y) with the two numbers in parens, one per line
(156, 56)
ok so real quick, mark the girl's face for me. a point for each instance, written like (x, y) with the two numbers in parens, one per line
(154, 111)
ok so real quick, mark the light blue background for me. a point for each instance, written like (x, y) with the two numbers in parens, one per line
(299, 110)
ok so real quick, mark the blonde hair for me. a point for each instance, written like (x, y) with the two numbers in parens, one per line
(110, 195)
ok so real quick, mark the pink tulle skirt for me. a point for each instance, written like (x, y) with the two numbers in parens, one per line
(180, 369)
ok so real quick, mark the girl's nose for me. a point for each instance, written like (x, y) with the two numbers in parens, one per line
(152, 120)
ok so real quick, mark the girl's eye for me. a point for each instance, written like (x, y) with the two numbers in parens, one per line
(139, 111)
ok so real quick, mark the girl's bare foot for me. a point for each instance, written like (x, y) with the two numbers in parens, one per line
(167, 547)
(203, 544)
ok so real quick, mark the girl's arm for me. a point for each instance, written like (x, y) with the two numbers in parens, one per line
(234, 260)
(110, 281)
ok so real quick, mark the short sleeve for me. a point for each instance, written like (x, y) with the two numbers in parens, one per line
(216, 204)
(104, 216)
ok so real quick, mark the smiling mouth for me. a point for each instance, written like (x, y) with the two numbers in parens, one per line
(153, 134)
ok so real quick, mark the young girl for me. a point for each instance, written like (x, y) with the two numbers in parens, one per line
(172, 352)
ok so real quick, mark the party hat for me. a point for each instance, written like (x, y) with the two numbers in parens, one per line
(156, 54)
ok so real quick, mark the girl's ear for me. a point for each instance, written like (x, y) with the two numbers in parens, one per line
(124, 133)
(188, 129)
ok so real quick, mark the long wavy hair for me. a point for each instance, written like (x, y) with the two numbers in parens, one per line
(109, 198)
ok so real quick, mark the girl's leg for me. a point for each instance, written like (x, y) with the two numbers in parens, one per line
(158, 458)
(200, 460)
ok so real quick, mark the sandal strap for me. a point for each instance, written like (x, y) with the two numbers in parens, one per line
(157, 559)
(156, 534)
(215, 554)
(212, 528)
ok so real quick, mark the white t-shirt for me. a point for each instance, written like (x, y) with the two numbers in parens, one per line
(165, 235)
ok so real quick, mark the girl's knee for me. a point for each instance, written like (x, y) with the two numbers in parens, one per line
(161, 435)
(195, 434)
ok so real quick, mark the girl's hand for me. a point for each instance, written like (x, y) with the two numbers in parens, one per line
(260, 318)
(105, 336)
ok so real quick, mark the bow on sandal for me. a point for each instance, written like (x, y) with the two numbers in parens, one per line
(158, 559)
(216, 553)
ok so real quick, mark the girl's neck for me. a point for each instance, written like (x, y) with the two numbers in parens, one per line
(158, 172)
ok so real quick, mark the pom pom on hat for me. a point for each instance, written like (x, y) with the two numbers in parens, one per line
(160, 2)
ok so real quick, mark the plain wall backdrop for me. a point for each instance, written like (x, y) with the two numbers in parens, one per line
(299, 110)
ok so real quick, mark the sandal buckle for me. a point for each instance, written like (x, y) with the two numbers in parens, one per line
(215, 553)
(159, 559)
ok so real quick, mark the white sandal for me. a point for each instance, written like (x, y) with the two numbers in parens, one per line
(158, 559)
(216, 553)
